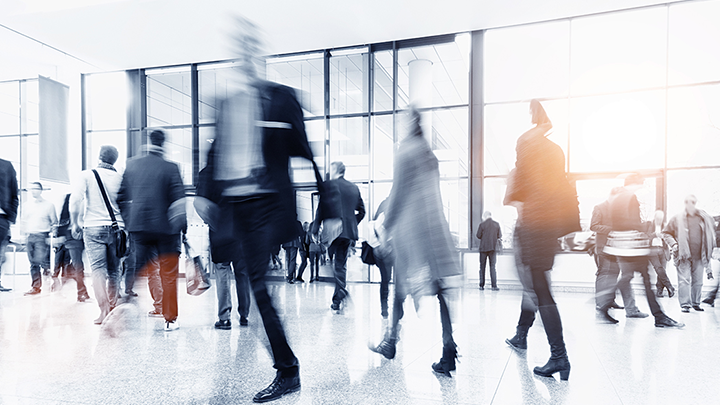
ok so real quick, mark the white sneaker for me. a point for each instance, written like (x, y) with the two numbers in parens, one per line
(171, 325)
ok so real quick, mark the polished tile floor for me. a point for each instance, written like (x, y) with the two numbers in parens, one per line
(51, 353)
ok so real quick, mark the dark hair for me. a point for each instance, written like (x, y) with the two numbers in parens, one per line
(415, 124)
(339, 167)
(539, 116)
(37, 183)
(157, 137)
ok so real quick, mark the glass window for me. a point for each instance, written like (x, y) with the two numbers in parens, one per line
(623, 132)
(106, 98)
(31, 164)
(504, 123)
(455, 201)
(207, 136)
(694, 35)
(10, 150)
(526, 62)
(303, 73)
(349, 82)
(383, 77)
(178, 149)
(493, 196)
(383, 147)
(619, 51)
(450, 141)
(693, 126)
(214, 84)
(30, 97)
(450, 72)
(595, 191)
(169, 99)
(95, 140)
(302, 170)
(349, 144)
(10, 108)
(699, 182)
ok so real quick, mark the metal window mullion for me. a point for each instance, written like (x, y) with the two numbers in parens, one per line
(195, 119)
(326, 110)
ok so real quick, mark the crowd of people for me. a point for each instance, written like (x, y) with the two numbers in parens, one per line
(135, 221)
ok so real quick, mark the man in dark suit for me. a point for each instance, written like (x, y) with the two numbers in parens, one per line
(291, 251)
(152, 200)
(352, 211)
(8, 207)
(490, 235)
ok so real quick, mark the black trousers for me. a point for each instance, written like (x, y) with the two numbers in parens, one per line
(303, 263)
(253, 222)
(492, 256)
(291, 260)
(385, 266)
(340, 246)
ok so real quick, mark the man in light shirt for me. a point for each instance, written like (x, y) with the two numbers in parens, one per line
(40, 220)
(96, 227)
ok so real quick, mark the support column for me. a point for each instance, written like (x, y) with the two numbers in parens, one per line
(421, 92)
(476, 136)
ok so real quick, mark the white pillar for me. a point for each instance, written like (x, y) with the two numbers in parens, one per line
(421, 91)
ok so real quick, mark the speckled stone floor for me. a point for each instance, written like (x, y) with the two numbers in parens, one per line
(51, 353)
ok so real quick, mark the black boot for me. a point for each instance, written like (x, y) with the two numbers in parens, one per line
(447, 362)
(605, 315)
(519, 341)
(386, 348)
(558, 355)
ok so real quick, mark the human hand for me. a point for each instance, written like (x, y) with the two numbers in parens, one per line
(709, 275)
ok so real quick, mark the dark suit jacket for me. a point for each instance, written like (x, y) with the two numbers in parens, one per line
(149, 186)
(8, 190)
(601, 224)
(350, 202)
(283, 137)
(489, 234)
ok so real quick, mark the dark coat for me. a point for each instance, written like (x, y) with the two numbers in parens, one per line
(625, 213)
(489, 234)
(8, 190)
(350, 203)
(224, 246)
(149, 186)
(601, 224)
(283, 137)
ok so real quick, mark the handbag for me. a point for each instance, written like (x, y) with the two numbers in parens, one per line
(367, 255)
(196, 278)
(121, 237)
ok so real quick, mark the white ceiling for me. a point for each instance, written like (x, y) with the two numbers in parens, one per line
(121, 34)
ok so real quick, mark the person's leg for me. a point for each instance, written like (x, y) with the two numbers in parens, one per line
(168, 256)
(626, 275)
(493, 275)
(641, 266)
(113, 271)
(155, 284)
(4, 229)
(60, 262)
(314, 265)
(223, 275)
(131, 269)
(684, 273)
(341, 251)
(384, 285)
(697, 282)
(78, 269)
(34, 252)
(96, 249)
(303, 264)
(447, 362)
(242, 287)
(291, 259)
(483, 262)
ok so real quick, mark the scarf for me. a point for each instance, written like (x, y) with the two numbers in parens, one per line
(107, 166)
(708, 228)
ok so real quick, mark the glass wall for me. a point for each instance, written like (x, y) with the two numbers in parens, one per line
(106, 104)
(642, 96)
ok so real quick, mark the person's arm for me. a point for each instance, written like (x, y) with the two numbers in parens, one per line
(479, 233)
(597, 222)
(14, 200)
(52, 217)
(669, 234)
(360, 208)
(76, 203)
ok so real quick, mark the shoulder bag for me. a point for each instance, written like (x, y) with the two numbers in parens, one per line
(121, 237)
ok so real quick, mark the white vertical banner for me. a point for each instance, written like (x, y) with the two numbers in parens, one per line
(53, 130)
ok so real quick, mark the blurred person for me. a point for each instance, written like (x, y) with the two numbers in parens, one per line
(259, 127)
(226, 254)
(40, 223)
(94, 224)
(426, 262)
(152, 270)
(8, 208)
(129, 266)
(352, 211)
(384, 256)
(712, 294)
(69, 255)
(549, 211)
(315, 250)
(275, 262)
(291, 248)
(490, 237)
(630, 244)
(660, 254)
(606, 280)
(152, 197)
(691, 237)
(304, 251)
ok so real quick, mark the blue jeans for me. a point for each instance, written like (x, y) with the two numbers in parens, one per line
(38, 252)
(104, 264)
(225, 273)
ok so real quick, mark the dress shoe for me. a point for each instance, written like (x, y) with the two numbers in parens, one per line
(33, 291)
(698, 308)
(446, 363)
(290, 281)
(603, 314)
(3, 289)
(224, 325)
(171, 326)
(685, 309)
(637, 314)
(131, 293)
(665, 322)
(561, 365)
(671, 293)
(243, 321)
(482, 288)
(386, 348)
(659, 292)
(615, 305)
(279, 387)
(299, 280)
(335, 307)
(155, 314)
(709, 301)
(495, 289)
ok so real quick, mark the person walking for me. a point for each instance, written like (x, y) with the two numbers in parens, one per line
(426, 262)
(69, 255)
(490, 236)
(384, 255)
(8, 208)
(660, 254)
(152, 198)
(40, 224)
(95, 226)
(550, 210)
(304, 251)
(291, 248)
(315, 252)
(691, 237)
